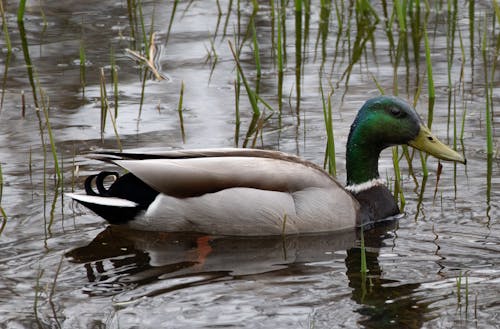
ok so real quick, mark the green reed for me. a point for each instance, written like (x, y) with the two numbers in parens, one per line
(458, 281)
(4, 79)
(330, 142)
(114, 82)
(52, 292)
(298, 52)
(366, 22)
(450, 49)
(105, 109)
(145, 39)
(132, 18)
(171, 21)
(339, 15)
(430, 79)
(25, 48)
(237, 120)
(489, 67)
(250, 93)
(488, 88)
(4, 219)
(179, 110)
(323, 31)
(258, 117)
(459, 287)
(219, 18)
(229, 10)
(462, 73)
(2, 211)
(83, 68)
(420, 198)
(272, 15)
(364, 267)
(20, 10)
(148, 60)
(5, 30)
(472, 32)
(400, 7)
(256, 55)
(52, 213)
(279, 55)
(1, 183)
(45, 108)
(212, 57)
(104, 102)
(38, 291)
(306, 26)
(282, 20)
(496, 6)
(416, 38)
(251, 97)
(398, 190)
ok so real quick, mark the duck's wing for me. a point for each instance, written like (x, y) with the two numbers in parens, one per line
(188, 173)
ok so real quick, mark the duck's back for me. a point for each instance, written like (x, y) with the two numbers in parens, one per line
(237, 192)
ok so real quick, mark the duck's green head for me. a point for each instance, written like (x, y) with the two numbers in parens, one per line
(382, 122)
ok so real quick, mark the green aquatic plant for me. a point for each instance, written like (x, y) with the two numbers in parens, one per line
(298, 52)
(237, 120)
(323, 29)
(363, 267)
(5, 31)
(114, 82)
(26, 53)
(132, 19)
(279, 56)
(171, 21)
(256, 54)
(212, 57)
(83, 68)
(250, 94)
(329, 161)
(38, 291)
(366, 23)
(145, 39)
(4, 219)
(490, 55)
(45, 109)
(459, 288)
(252, 97)
(226, 22)
(450, 50)
(2, 211)
(105, 109)
(4, 79)
(430, 79)
(179, 110)
(20, 11)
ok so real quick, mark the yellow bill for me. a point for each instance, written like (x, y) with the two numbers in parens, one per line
(428, 143)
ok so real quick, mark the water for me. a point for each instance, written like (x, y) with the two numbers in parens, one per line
(62, 266)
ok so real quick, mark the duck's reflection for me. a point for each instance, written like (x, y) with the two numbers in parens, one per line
(119, 259)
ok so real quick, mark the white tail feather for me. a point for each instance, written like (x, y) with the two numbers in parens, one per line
(101, 200)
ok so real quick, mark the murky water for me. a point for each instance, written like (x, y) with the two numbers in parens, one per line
(62, 266)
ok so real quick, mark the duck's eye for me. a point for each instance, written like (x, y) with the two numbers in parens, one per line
(395, 111)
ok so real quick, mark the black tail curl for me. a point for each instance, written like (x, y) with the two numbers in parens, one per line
(127, 187)
(99, 183)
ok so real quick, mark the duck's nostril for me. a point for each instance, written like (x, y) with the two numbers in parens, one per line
(430, 138)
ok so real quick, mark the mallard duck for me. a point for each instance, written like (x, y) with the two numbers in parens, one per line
(251, 192)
